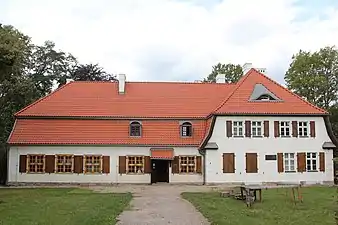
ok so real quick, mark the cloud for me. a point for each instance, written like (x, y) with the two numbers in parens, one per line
(176, 39)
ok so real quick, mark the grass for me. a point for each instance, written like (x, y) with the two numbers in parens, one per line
(66, 206)
(318, 207)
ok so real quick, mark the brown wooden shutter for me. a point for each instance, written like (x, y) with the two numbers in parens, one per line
(251, 163)
(276, 128)
(78, 164)
(50, 163)
(322, 161)
(294, 129)
(106, 164)
(280, 162)
(312, 129)
(248, 128)
(175, 165)
(147, 164)
(229, 128)
(301, 164)
(23, 164)
(199, 164)
(122, 164)
(266, 128)
(228, 162)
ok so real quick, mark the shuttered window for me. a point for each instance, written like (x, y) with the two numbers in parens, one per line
(64, 163)
(135, 164)
(284, 129)
(228, 162)
(92, 163)
(289, 162)
(303, 129)
(35, 163)
(237, 128)
(311, 161)
(187, 164)
(251, 163)
(256, 128)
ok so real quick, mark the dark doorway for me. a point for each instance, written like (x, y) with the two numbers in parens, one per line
(160, 170)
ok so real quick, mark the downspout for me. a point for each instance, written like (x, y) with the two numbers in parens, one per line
(203, 152)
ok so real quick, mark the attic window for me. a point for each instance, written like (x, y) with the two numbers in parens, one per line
(186, 129)
(265, 97)
(135, 129)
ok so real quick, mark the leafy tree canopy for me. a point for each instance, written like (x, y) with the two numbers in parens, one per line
(232, 72)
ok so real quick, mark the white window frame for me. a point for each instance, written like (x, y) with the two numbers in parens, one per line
(285, 127)
(236, 128)
(256, 127)
(311, 158)
(302, 128)
(287, 158)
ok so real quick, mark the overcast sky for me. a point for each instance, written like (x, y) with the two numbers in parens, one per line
(152, 40)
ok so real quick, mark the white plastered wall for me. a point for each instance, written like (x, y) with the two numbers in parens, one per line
(267, 170)
(14, 176)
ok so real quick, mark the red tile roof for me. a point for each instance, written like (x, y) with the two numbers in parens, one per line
(141, 100)
(159, 105)
(68, 131)
(237, 102)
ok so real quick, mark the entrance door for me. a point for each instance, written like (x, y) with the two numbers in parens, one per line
(160, 170)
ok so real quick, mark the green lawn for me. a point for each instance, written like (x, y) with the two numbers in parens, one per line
(318, 207)
(63, 206)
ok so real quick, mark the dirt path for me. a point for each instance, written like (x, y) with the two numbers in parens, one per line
(160, 205)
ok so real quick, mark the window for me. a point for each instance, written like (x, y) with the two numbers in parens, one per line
(135, 164)
(256, 128)
(187, 164)
(285, 128)
(36, 163)
(311, 161)
(289, 162)
(303, 129)
(238, 128)
(135, 129)
(93, 164)
(265, 97)
(64, 163)
(186, 129)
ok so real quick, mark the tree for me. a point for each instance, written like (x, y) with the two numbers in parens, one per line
(314, 76)
(88, 72)
(232, 73)
(48, 66)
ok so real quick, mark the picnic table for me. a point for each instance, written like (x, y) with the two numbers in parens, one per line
(250, 189)
(295, 189)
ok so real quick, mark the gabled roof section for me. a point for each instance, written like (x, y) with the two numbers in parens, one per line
(238, 101)
(141, 100)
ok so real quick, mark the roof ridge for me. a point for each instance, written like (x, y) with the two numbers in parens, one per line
(294, 94)
(239, 83)
(41, 99)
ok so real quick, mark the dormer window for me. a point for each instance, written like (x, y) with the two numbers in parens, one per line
(186, 129)
(260, 94)
(265, 97)
(135, 129)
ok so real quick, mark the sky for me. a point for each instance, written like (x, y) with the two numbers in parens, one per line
(177, 40)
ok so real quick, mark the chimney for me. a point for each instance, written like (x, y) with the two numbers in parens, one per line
(122, 83)
(220, 78)
(246, 67)
(69, 80)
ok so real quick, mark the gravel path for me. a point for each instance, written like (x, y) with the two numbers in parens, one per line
(161, 205)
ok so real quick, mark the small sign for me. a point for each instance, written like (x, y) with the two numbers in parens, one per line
(270, 157)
